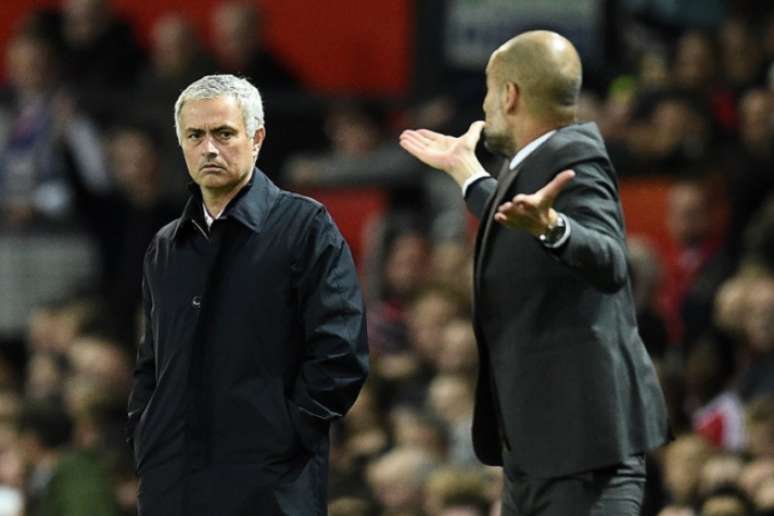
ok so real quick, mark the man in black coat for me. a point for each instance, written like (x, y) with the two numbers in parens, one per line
(254, 330)
(567, 398)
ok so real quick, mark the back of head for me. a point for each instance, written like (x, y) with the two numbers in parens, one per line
(547, 70)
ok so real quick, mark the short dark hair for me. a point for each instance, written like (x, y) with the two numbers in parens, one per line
(50, 423)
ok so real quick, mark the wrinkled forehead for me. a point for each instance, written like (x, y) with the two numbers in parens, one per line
(219, 111)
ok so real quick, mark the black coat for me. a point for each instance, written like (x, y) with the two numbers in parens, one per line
(565, 383)
(254, 342)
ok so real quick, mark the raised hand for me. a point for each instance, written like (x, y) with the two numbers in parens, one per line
(534, 212)
(455, 156)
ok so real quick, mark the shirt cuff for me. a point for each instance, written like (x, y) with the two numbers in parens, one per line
(472, 179)
(562, 239)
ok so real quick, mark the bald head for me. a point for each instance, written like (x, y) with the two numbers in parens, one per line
(547, 70)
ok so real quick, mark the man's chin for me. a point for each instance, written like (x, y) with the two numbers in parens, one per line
(496, 146)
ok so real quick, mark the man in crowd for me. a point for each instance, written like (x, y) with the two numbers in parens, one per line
(567, 399)
(254, 329)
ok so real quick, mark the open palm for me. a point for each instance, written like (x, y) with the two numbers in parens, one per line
(455, 156)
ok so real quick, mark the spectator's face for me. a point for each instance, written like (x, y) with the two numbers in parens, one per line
(218, 152)
(426, 322)
(27, 65)
(757, 114)
(719, 470)
(723, 506)
(755, 474)
(684, 459)
(458, 352)
(740, 53)
(764, 496)
(405, 265)
(759, 319)
(688, 216)
(135, 163)
(352, 133)
(760, 439)
(693, 66)
(84, 19)
(451, 399)
(236, 31)
(173, 45)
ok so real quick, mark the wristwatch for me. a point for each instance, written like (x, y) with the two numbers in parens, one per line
(554, 234)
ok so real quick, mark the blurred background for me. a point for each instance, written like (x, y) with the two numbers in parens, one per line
(682, 90)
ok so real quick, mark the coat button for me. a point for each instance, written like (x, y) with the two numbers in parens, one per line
(196, 302)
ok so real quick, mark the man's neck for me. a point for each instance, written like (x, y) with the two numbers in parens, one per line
(216, 200)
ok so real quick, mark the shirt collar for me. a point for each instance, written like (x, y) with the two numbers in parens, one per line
(527, 149)
(249, 207)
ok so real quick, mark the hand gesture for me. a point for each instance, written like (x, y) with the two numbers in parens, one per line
(534, 212)
(455, 156)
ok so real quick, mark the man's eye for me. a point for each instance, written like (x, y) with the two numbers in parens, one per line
(194, 136)
(226, 135)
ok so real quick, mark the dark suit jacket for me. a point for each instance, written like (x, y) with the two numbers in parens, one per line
(565, 383)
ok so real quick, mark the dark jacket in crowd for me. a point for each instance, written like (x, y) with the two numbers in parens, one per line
(254, 342)
(565, 382)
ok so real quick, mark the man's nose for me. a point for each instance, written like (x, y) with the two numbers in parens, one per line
(210, 150)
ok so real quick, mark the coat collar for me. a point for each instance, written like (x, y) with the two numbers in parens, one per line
(249, 207)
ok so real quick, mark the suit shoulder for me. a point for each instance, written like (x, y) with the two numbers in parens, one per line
(577, 143)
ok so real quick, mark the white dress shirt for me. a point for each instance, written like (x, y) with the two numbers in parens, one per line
(517, 159)
(209, 219)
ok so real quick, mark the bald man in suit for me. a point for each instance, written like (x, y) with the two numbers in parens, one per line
(567, 399)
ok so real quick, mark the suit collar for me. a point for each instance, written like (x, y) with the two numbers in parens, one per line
(530, 148)
(249, 207)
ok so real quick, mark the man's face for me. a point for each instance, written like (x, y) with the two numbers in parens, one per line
(218, 151)
(496, 135)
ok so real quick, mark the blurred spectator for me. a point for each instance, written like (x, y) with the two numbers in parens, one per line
(412, 428)
(349, 506)
(646, 273)
(684, 459)
(756, 375)
(101, 56)
(125, 221)
(726, 501)
(750, 160)
(691, 248)
(722, 469)
(760, 427)
(397, 478)
(456, 492)
(451, 399)
(176, 60)
(63, 482)
(741, 54)
(457, 354)
(238, 36)
(47, 148)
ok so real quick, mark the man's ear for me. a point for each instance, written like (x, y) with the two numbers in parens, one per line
(511, 97)
(258, 138)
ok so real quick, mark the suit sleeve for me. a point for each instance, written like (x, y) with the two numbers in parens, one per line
(145, 369)
(478, 194)
(335, 363)
(596, 247)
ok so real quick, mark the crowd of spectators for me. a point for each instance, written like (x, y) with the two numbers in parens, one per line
(90, 169)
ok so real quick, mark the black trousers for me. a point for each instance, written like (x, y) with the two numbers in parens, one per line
(612, 491)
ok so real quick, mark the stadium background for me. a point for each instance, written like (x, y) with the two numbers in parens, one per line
(682, 91)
